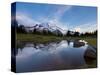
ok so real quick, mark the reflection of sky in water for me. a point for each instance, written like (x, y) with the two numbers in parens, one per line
(50, 56)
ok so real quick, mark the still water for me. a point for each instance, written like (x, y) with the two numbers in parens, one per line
(50, 56)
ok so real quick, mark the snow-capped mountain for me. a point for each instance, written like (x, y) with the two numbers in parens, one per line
(47, 27)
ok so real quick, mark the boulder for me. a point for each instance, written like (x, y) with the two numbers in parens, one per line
(78, 44)
(89, 53)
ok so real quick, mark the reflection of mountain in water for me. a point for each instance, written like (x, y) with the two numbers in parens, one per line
(52, 56)
(49, 46)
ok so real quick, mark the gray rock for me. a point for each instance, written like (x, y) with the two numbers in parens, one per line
(78, 44)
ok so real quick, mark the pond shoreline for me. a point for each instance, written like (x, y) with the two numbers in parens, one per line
(46, 38)
(60, 55)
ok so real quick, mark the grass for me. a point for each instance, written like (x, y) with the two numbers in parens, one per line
(37, 38)
(45, 38)
(92, 41)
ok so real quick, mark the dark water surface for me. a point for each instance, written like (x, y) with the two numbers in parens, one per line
(50, 56)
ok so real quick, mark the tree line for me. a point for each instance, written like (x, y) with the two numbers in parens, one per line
(21, 29)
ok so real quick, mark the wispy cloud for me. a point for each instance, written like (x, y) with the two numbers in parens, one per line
(54, 18)
(60, 12)
(57, 13)
(25, 19)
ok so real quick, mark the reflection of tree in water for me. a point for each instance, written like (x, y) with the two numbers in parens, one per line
(43, 47)
(46, 46)
(19, 46)
(68, 41)
(36, 46)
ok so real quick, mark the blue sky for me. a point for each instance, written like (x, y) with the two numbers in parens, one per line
(68, 17)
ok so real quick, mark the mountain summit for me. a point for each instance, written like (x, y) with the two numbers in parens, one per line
(47, 27)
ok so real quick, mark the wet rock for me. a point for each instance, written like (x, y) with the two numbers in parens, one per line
(89, 53)
(91, 63)
(78, 44)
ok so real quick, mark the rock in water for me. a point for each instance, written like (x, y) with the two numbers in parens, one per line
(77, 43)
(89, 53)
